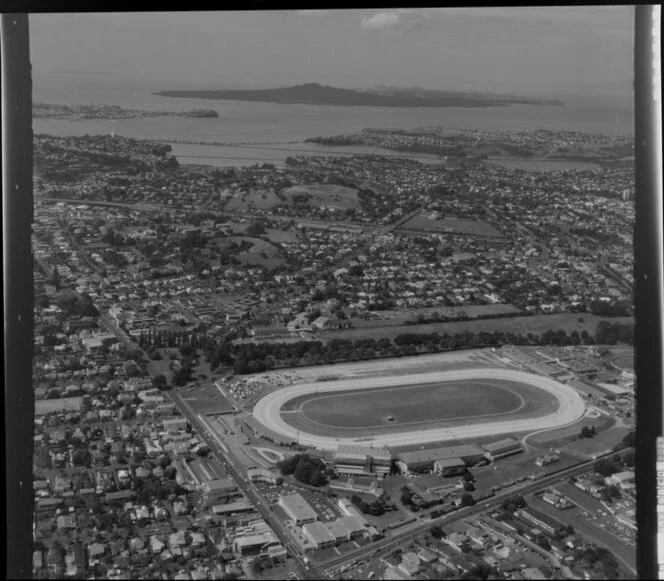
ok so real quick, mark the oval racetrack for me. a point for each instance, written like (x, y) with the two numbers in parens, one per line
(570, 408)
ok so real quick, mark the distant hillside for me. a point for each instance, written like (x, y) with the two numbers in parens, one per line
(315, 94)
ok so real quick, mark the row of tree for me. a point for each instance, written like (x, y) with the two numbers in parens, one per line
(257, 357)
(170, 338)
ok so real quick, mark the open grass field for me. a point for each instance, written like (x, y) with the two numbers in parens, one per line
(339, 197)
(536, 324)
(353, 413)
(260, 200)
(262, 253)
(451, 226)
(65, 404)
(279, 236)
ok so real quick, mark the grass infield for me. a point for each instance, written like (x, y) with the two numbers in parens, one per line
(424, 406)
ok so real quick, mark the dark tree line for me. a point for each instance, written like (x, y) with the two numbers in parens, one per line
(612, 333)
(257, 357)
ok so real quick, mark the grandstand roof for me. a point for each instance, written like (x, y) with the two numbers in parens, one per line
(440, 453)
(357, 451)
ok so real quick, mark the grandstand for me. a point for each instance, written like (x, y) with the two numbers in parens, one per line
(357, 460)
(419, 461)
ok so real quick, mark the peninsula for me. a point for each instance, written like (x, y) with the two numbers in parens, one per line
(80, 112)
(316, 94)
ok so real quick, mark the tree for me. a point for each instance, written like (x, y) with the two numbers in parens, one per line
(467, 499)
(629, 458)
(586, 432)
(606, 467)
(630, 439)
(611, 493)
(187, 350)
(81, 457)
(437, 532)
(159, 381)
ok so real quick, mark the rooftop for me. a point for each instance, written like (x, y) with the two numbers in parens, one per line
(440, 453)
(360, 452)
(298, 507)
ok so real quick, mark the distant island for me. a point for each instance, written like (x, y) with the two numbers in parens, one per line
(80, 112)
(316, 94)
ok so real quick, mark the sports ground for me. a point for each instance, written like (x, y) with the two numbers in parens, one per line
(414, 409)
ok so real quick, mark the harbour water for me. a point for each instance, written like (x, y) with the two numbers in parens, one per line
(275, 131)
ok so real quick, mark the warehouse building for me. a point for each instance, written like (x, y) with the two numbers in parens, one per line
(540, 520)
(357, 460)
(421, 461)
(297, 509)
(319, 536)
(503, 448)
(220, 489)
(336, 532)
(624, 480)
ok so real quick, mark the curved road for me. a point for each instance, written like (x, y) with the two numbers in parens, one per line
(571, 408)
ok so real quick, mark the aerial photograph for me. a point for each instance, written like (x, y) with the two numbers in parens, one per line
(334, 294)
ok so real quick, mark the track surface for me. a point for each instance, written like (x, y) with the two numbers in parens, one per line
(569, 408)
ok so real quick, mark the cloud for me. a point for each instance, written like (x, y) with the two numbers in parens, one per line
(399, 20)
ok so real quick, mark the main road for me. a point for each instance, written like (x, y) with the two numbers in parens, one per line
(307, 570)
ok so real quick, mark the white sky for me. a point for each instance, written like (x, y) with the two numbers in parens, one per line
(503, 49)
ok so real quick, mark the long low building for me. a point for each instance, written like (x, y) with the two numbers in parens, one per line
(233, 508)
(503, 448)
(351, 486)
(419, 461)
(540, 520)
